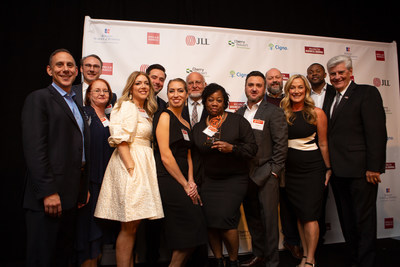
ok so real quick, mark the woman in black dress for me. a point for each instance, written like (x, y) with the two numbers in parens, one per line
(225, 142)
(307, 164)
(91, 233)
(184, 222)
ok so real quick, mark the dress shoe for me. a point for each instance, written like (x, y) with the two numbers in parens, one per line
(295, 250)
(254, 261)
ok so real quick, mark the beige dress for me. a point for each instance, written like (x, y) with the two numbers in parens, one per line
(123, 197)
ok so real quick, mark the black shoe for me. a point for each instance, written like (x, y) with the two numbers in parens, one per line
(220, 262)
(233, 263)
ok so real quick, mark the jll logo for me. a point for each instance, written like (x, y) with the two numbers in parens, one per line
(192, 40)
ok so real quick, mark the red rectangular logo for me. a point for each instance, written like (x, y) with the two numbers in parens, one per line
(380, 55)
(314, 50)
(153, 38)
(107, 68)
(389, 223)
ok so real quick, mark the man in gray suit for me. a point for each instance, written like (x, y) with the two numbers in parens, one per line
(261, 203)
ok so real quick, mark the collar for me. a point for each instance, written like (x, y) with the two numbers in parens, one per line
(323, 90)
(191, 101)
(62, 92)
(256, 105)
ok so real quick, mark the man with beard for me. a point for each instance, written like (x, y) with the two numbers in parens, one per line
(157, 76)
(194, 111)
(261, 203)
(319, 88)
(274, 86)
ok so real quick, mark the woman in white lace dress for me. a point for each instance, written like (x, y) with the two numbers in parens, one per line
(129, 192)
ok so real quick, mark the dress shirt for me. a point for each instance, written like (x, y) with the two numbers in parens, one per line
(75, 111)
(250, 112)
(199, 107)
(84, 89)
(319, 98)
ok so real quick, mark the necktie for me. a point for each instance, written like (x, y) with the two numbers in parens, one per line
(337, 100)
(194, 114)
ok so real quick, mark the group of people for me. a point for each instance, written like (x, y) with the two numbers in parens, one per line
(98, 167)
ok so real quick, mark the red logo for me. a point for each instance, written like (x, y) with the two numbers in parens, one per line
(153, 38)
(390, 165)
(314, 50)
(285, 76)
(143, 67)
(107, 68)
(389, 223)
(380, 55)
(377, 82)
(190, 40)
(235, 105)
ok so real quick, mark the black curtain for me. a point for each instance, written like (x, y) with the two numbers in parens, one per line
(32, 30)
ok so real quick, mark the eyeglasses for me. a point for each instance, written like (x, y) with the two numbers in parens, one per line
(98, 91)
(89, 66)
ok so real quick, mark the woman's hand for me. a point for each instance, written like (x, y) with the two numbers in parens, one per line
(191, 191)
(222, 146)
(327, 177)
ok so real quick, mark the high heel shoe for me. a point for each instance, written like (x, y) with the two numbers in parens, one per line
(220, 262)
(233, 263)
(309, 263)
(304, 257)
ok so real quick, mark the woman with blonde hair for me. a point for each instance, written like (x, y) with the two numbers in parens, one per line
(129, 192)
(307, 167)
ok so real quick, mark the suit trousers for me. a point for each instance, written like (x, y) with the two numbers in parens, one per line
(50, 240)
(356, 205)
(261, 211)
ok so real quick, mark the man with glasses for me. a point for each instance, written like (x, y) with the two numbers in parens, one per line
(194, 111)
(91, 69)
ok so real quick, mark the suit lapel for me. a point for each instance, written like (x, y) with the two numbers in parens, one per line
(64, 106)
(343, 102)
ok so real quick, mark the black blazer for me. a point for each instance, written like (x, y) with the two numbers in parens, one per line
(79, 97)
(357, 132)
(185, 113)
(53, 145)
(272, 142)
(330, 92)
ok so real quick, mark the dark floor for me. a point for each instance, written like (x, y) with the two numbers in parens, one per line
(332, 255)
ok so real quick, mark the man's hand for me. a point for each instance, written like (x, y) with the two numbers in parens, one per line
(52, 205)
(373, 177)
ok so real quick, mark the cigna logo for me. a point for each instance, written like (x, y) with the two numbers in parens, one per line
(272, 46)
(237, 74)
(192, 40)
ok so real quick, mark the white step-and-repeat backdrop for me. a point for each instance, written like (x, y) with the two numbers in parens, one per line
(225, 56)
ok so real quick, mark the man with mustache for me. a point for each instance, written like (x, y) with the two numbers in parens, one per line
(274, 86)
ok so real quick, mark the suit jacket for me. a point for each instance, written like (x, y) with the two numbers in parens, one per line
(330, 92)
(77, 88)
(357, 132)
(272, 142)
(186, 116)
(53, 145)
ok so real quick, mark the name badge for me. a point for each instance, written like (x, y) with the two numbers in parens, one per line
(185, 135)
(143, 113)
(108, 109)
(105, 121)
(210, 131)
(257, 124)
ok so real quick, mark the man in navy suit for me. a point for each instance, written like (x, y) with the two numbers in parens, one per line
(56, 144)
(91, 69)
(357, 149)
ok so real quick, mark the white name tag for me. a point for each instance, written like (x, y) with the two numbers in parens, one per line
(257, 124)
(210, 131)
(143, 113)
(185, 135)
(105, 121)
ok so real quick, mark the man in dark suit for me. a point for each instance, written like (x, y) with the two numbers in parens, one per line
(91, 69)
(357, 148)
(157, 76)
(55, 142)
(262, 199)
(320, 92)
(194, 111)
